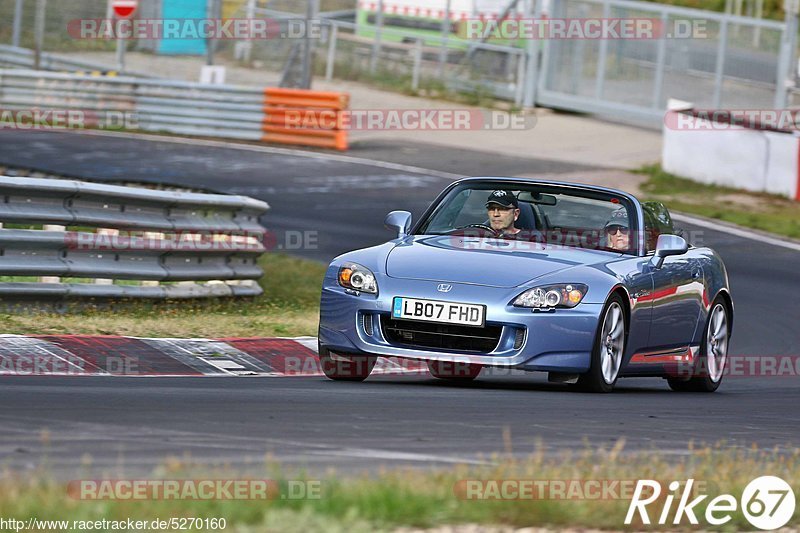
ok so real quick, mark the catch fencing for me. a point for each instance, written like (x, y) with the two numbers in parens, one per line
(713, 60)
(726, 60)
(63, 240)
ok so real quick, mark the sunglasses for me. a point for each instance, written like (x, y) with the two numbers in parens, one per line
(611, 230)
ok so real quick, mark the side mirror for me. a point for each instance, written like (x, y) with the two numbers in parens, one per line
(668, 245)
(399, 221)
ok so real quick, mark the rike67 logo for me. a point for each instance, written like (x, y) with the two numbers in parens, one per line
(767, 502)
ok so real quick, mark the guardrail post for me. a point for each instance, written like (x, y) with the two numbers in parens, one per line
(247, 48)
(109, 232)
(719, 70)
(532, 64)
(658, 83)
(445, 36)
(51, 279)
(417, 65)
(312, 14)
(376, 44)
(519, 90)
(151, 236)
(17, 35)
(41, 12)
(600, 77)
(784, 76)
(121, 47)
(333, 36)
(212, 12)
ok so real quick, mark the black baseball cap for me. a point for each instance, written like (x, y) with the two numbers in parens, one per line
(503, 198)
(618, 218)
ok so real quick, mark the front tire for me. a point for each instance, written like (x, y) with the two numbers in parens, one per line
(609, 348)
(345, 367)
(710, 366)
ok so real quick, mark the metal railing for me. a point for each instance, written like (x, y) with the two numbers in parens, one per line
(17, 57)
(150, 105)
(65, 239)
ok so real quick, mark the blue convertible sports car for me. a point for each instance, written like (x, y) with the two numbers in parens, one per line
(585, 283)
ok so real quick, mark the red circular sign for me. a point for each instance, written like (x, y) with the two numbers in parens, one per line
(125, 8)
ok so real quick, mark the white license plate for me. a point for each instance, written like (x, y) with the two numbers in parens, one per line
(437, 311)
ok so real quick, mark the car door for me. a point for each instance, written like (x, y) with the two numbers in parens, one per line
(677, 302)
(678, 289)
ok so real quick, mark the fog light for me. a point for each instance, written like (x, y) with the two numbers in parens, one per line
(366, 322)
(519, 338)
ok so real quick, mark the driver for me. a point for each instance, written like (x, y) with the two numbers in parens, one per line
(618, 230)
(503, 210)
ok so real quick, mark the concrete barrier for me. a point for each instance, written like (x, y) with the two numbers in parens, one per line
(720, 153)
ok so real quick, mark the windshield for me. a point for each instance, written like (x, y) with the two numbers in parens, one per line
(536, 213)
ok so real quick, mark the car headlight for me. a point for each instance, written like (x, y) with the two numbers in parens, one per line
(566, 295)
(357, 277)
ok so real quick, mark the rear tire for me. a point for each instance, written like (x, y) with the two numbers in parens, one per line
(609, 348)
(345, 367)
(453, 371)
(710, 365)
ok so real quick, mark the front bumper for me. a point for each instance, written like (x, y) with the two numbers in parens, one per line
(557, 341)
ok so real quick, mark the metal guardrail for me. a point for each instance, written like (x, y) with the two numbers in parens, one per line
(151, 105)
(168, 106)
(142, 239)
(18, 57)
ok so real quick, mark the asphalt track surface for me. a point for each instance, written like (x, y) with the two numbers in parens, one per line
(135, 423)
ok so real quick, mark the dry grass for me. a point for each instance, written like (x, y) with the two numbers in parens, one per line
(415, 498)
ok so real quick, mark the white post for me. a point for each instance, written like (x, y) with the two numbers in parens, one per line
(417, 65)
(445, 37)
(121, 46)
(16, 37)
(333, 36)
(376, 43)
(41, 11)
(785, 75)
(312, 14)
(532, 51)
(247, 48)
(757, 29)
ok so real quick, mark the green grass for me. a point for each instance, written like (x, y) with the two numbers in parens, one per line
(766, 212)
(425, 498)
(289, 307)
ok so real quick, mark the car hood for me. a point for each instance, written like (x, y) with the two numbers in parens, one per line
(479, 261)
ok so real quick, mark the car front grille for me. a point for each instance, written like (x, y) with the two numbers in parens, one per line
(442, 336)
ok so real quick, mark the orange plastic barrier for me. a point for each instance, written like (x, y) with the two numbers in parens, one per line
(305, 118)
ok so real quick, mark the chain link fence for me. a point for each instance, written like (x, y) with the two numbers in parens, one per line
(728, 61)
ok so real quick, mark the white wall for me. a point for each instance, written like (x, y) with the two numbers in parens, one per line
(755, 160)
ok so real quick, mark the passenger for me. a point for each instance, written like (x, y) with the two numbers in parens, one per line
(618, 231)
